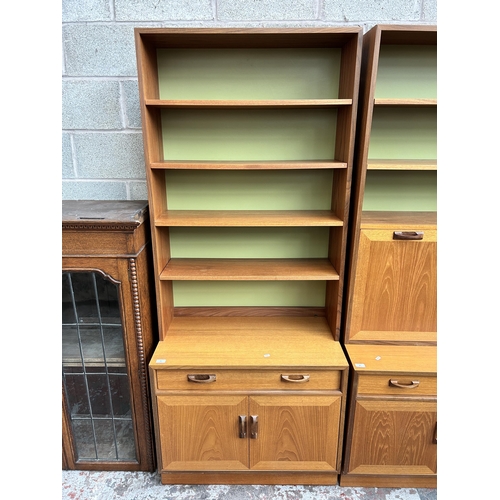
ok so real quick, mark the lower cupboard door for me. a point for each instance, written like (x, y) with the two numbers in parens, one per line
(394, 437)
(201, 433)
(294, 432)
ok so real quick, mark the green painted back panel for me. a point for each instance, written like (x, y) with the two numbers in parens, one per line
(249, 190)
(407, 71)
(246, 135)
(403, 133)
(249, 134)
(249, 293)
(401, 190)
(264, 243)
(248, 73)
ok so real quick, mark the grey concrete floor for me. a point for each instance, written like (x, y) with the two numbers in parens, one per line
(98, 485)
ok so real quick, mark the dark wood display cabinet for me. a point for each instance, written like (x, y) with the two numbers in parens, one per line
(108, 336)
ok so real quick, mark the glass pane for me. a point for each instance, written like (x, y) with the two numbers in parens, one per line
(84, 297)
(109, 307)
(68, 311)
(120, 397)
(76, 395)
(94, 370)
(125, 439)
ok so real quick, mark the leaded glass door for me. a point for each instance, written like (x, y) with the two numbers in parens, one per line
(94, 369)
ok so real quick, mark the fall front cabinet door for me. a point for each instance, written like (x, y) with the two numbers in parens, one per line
(394, 438)
(395, 292)
(238, 432)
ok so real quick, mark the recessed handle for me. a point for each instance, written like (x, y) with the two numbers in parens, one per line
(202, 378)
(254, 426)
(412, 385)
(295, 378)
(408, 235)
(243, 426)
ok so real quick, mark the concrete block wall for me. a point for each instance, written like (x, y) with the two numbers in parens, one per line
(102, 149)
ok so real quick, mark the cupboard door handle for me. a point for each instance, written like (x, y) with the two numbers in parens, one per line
(435, 437)
(295, 378)
(395, 383)
(254, 426)
(202, 378)
(243, 426)
(408, 235)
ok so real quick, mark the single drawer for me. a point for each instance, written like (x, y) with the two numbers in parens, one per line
(405, 385)
(219, 380)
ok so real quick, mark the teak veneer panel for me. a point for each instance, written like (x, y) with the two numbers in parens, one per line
(395, 289)
(282, 444)
(250, 380)
(394, 437)
(249, 269)
(383, 359)
(248, 165)
(248, 218)
(237, 103)
(249, 342)
(405, 102)
(402, 220)
(401, 164)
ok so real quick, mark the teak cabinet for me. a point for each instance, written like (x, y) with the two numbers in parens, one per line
(249, 144)
(391, 307)
(108, 336)
(237, 419)
(392, 432)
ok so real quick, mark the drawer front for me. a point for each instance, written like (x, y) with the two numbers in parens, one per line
(405, 385)
(217, 380)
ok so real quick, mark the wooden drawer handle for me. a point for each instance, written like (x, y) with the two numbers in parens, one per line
(202, 378)
(412, 385)
(295, 378)
(408, 235)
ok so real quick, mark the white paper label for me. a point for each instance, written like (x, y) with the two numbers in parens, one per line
(359, 365)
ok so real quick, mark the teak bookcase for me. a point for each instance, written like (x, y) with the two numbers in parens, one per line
(392, 278)
(248, 140)
(390, 329)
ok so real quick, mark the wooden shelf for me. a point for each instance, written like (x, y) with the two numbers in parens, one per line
(248, 165)
(247, 103)
(249, 269)
(405, 102)
(247, 218)
(401, 164)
